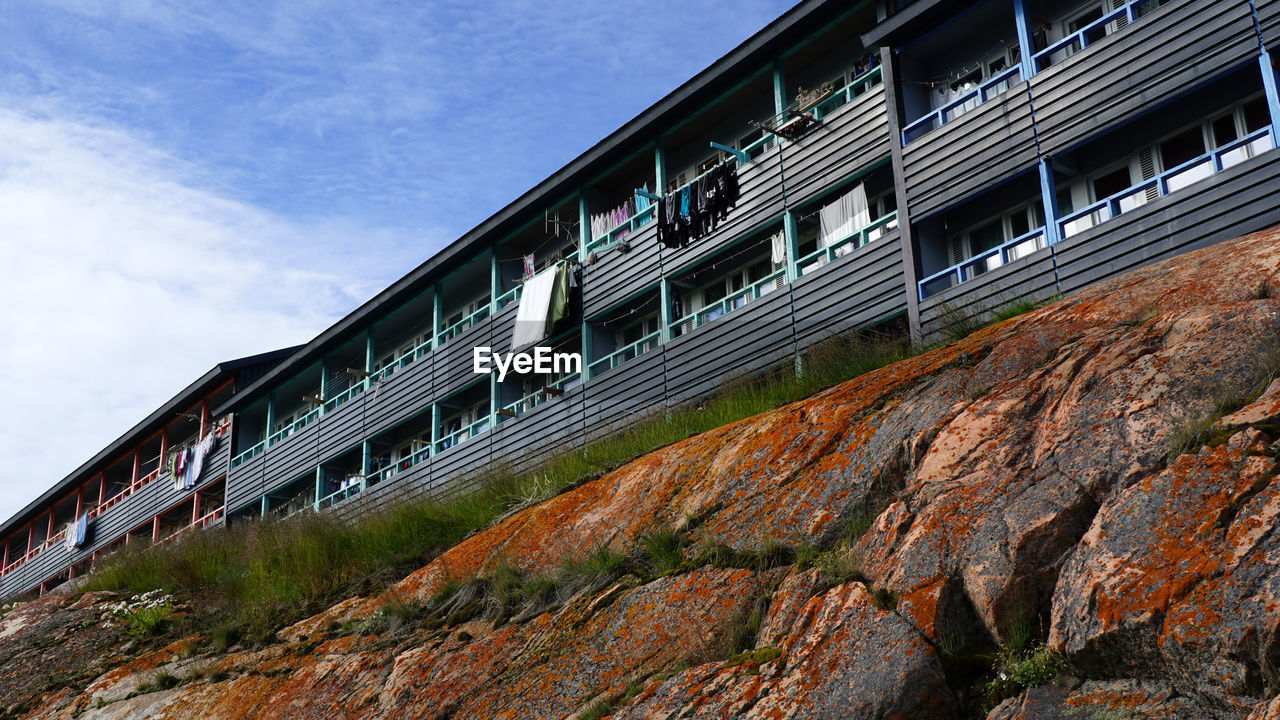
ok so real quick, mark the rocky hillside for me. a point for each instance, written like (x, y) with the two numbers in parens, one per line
(1070, 514)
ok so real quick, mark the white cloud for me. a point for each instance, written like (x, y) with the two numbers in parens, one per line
(125, 280)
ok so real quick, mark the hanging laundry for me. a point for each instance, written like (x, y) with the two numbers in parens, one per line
(695, 210)
(778, 248)
(528, 266)
(535, 306)
(69, 536)
(845, 216)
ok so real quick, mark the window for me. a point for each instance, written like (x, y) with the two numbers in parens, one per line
(632, 333)
(1181, 157)
(993, 233)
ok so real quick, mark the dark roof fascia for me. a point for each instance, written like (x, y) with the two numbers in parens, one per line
(637, 133)
(909, 23)
(139, 432)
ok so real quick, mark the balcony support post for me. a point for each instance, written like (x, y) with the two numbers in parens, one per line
(664, 311)
(659, 167)
(195, 507)
(264, 505)
(437, 316)
(1269, 85)
(1049, 194)
(779, 88)
(369, 355)
(366, 458)
(1025, 47)
(495, 280)
(791, 232)
(584, 225)
(435, 428)
(315, 504)
(324, 382)
(271, 416)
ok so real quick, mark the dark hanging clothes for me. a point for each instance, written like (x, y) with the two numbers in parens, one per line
(697, 208)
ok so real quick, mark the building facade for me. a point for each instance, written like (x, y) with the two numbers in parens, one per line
(892, 162)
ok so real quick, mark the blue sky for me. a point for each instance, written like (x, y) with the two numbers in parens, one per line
(187, 182)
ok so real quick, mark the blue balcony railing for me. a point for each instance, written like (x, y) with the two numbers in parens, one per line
(937, 118)
(1018, 247)
(1167, 182)
(1091, 33)
(854, 240)
(628, 352)
(728, 304)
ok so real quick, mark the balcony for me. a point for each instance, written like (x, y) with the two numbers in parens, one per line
(1170, 181)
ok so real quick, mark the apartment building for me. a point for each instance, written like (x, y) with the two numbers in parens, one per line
(851, 165)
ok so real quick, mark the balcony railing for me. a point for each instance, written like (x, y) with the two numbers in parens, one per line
(626, 227)
(937, 118)
(838, 99)
(1169, 181)
(343, 397)
(1018, 247)
(508, 297)
(628, 352)
(729, 303)
(457, 328)
(538, 397)
(1091, 33)
(455, 439)
(854, 240)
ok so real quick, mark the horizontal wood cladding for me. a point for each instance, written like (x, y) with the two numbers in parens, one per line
(848, 140)
(405, 394)
(1236, 202)
(540, 433)
(616, 275)
(977, 150)
(295, 455)
(1028, 277)
(1114, 80)
(246, 482)
(617, 398)
(1269, 19)
(734, 346)
(859, 289)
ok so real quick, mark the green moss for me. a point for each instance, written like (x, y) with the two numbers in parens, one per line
(754, 657)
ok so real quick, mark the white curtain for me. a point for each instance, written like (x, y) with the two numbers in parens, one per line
(843, 217)
(535, 301)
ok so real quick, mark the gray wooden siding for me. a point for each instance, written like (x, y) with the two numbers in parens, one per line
(736, 345)
(616, 275)
(405, 394)
(1269, 19)
(617, 398)
(542, 432)
(453, 361)
(1236, 202)
(1028, 277)
(1172, 49)
(853, 137)
(856, 290)
(975, 151)
(294, 456)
